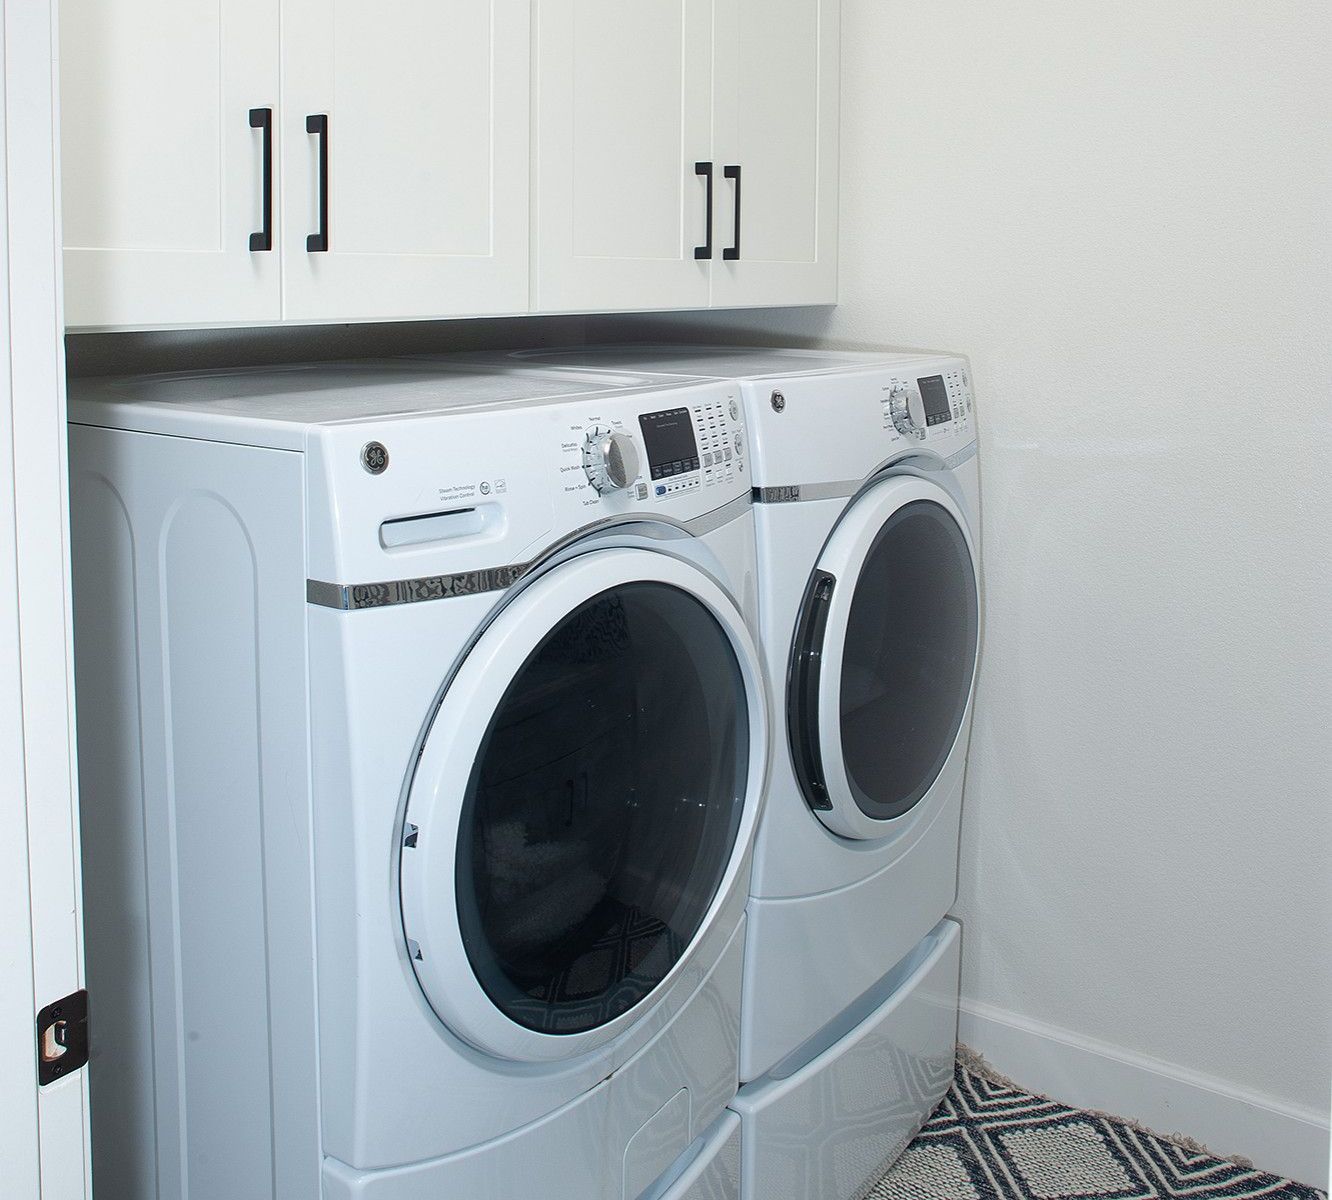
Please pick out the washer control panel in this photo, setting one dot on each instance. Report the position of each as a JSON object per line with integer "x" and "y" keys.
{"x": 695, "y": 445}
{"x": 679, "y": 449}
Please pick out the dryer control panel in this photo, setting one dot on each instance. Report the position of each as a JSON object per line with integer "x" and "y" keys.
{"x": 828, "y": 431}
{"x": 916, "y": 405}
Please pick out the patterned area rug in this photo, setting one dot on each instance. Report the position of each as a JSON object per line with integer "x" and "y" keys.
{"x": 989, "y": 1141}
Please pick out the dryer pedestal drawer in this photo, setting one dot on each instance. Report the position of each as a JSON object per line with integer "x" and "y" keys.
{"x": 832, "y": 1125}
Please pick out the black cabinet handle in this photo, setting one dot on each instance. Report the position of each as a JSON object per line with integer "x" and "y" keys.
{"x": 732, "y": 252}
{"x": 316, "y": 243}
{"x": 705, "y": 169}
{"x": 262, "y": 118}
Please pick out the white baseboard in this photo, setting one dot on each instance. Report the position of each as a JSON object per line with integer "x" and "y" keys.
{"x": 1285, "y": 1139}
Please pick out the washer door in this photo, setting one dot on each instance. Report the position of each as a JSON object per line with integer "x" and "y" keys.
{"x": 582, "y": 804}
{"x": 884, "y": 656}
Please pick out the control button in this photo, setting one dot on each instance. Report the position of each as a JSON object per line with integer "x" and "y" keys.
{"x": 735, "y": 410}
{"x": 661, "y": 489}
{"x": 707, "y": 458}
{"x": 739, "y": 443}
{"x": 728, "y": 455}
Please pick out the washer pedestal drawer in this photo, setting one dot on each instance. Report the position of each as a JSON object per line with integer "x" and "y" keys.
{"x": 828, "y": 1127}
{"x": 709, "y": 1170}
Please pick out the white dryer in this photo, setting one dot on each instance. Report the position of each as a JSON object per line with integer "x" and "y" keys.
{"x": 422, "y": 740}
{"x": 867, "y": 517}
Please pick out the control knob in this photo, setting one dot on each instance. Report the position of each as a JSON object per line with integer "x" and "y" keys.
{"x": 904, "y": 418}
{"x": 610, "y": 460}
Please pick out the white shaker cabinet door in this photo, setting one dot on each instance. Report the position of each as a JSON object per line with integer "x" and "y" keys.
{"x": 405, "y": 160}
{"x": 163, "y": 171}
{"x": 776, "y": 115}
{"x": 622, "y": 115}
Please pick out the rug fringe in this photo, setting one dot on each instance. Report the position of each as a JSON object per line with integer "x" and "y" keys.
{"x": 974, "y": 1061}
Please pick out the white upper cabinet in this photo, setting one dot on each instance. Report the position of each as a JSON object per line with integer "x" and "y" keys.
{"x": 163, "y": 173}
{"x": 652, "y": 115}
{"x": 622, "y": 117}
{"x": 233, "y": 162}
{"x": 418, "y": 110}
{"x": 776, "y": 119}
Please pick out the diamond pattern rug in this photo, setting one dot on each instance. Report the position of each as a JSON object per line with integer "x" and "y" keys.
{"x": 988, "y": 1140}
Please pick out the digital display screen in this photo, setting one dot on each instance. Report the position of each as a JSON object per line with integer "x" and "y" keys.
{"x": 669, "y": 437}
{"x": 934, "y": 395}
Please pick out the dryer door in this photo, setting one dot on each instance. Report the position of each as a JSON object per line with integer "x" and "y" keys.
{"x": 583, "y": 803}
{"x": 884, "y": 657}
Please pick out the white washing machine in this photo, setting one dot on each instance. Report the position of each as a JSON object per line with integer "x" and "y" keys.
{"x": 422, "y": 741}
{"x": 867, "y": 517}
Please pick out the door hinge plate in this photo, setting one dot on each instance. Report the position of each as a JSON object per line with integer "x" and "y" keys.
{"x": 62, "y": 1037}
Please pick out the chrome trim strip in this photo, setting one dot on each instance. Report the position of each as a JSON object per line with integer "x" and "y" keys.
{"x": 840, "y": 489}
{"x": 327, "y": 595}
{"x": 836, "y": 489}
{"x": 716, "y": 518}
{"x": 351, "y": 597}
{"x": 963, "y": 455}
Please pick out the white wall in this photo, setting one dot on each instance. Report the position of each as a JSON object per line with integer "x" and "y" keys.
{"x": 1121, "y": 212}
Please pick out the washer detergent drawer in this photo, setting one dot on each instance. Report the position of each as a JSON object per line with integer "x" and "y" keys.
{"x": 833, "y": 1125}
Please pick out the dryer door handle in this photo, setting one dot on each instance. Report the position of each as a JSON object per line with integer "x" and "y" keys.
{"x": 802, "y": 698}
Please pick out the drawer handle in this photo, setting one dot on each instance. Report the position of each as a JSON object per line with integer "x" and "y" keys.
{"x": 262, "y": 118}
{"x": 705, "y": 169}
{"x": 732, "y": 252}
{"x": 317, "y": 243}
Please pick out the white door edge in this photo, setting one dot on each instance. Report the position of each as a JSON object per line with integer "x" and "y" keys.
{"x": 43, "y": 1131}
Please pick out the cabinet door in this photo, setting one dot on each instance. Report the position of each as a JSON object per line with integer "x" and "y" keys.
{"x": 426, "y": 157}
{"x": 622, "y": 114}
{"x": 776, "y": 94}
{"x": 162, "y": 171}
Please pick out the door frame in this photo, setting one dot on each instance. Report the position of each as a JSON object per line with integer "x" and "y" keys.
{"x": 43, "y": 1131}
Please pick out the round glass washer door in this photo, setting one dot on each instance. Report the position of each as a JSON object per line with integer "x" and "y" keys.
{"x": 582, "y": 803}
{"x": 883, "y": 660}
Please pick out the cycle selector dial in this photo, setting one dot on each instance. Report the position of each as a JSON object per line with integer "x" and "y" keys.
{"x": 903, "y": 415}
{"x": 610, "y": 459}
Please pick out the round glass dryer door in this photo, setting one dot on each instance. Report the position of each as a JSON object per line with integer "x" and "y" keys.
{"x": 582, "y": 803}
{"x": 884, "y": 657}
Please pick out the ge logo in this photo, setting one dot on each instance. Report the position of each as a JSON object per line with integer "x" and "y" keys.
{"x": 485, "y": 489}
{"x": 374, "y": 457}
